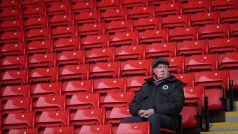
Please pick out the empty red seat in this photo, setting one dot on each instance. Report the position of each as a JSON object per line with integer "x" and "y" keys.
{"x": 234, "y": 29}
{"x": 11, "y": 36}
{"x": 133, "y": 3}
{"x": 18, "y": 120}
{"x": 108, "y": 4}
{"x": 117, "y": 14}
{"x": 124, "y": 38}
{"x": 35, "y": 22}
{"x": 229, "y": 16}
{"x": 19, "y": 131}
{"x": 233, "y": 76}
{"x": 52, "y": 118}
{"x": 213, "y": 31}
{"x": 140, "y": 12}
{"x": 136, "y": 67}
{"x": 8, "y": 49}
{"x": 116, "y": 114}
{"x": 33, "y": 11}
{"x": 104, "y": 69}
{"x": 64, "y": 32}
{"x": 156, "y": 2}
{"x": 169, "y": 8}
{"x": 65, "y": 44}
{"x": 13, "y": 77}
{"x": 36, "y": 46}
{"x": 50, "y": 102}
{"x": 139, "y": 128}
{"x": 55, "y": 130}
{"x": 91, "y": 29}
{"x": 16, "y": 105}
{"x": 43, "y": 75}
{"x": 176, "y": 64}
{"x": 10, "y": 13}
{"x": 223, "y": 4}
{"x": 46, "y": 2}
{"x": 13, "y": 62}
{"x": 187, "y": 79}
{"x": 117, "y": 99}
{"x": 153, "y": 36}
{"x": 82, "y": 101}
{"x": 228, "y": 60}
{"x": 86, "y": 17}
{"x": 183, "y": 33}
{"x": 71, "y": 87}
{"x": 13, "y": 3}
{"x": 11, "y": 25}
{"x": 147, "y": 24}
{"x": 94, "y": 116}
{"x": 160, "y": 50}
{"x": 82, "y": 6}
{"x": 132, "y": 52}
{"x": 109, "y": 85}
{"x": 70, "y": 72}
{"x": 41, "y": 89}
{"x": 198, "y": 47}
{"x": 118, "y": 26}
{"x": 100, "y": 55}
{"x": 12, "y": 91}
{"x": 95, "y": 41}
{"x": 203, "y": 18}
{"x": 176, "y": 21}
{"x": 221, "y": 45}
{"x": 196, "y": 6}
{"x": 41, "y": 60}
{"x": 37, "y": 34}
{"x": 57, "y": 8}
{"x": 201, "y": 63}
{"x": 93, "y": 129}
{"x": 70, "y": 57}
{"x": 60, "y": 20}
{"x": 31, "y": 2}
{"x": 135, "y": 83}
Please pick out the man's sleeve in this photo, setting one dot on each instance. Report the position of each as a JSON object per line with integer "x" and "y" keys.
{"x": 175, "y": 105}
{"x": 136, "y": 102}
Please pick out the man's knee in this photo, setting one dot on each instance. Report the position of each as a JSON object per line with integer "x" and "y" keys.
{"x": 154, "y": 117}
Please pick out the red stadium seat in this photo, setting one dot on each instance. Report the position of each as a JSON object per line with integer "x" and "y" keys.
{"x": 228, "y": 60}
{"x": 133, "y": 3}
{"x": 41, "y": 60}
{"x": 170, "y": 8}
{"x": 160, "y": 50}
{"x": 234, "y": 29}
{"x": 78, "y": 6}
{"x": 182, "y": 33}
{"x": 49, "y": 103}
{"x": 36, "y": 46}
{"x": 13, "y": 62}
{"x": 153, "y": 36}
{"x": 10, "y": 13}
{"x": 118, "y": 26}
{"x": 109, "y": 85}
{"x": 221, "y": 45}
{"x": 37, "y": 34}
{"x": 104, "y": 69}
{"x": 64, "y": 32}
{"x": 187, "y": 79}
{"x": 43, "y": 75}
{"x": 22, "y": 91}
{"x": 233, "y": 76}
{"x": 229, "y": 16}
{"x": 223, "y": 4}
{"x": 201, "y": 63}
{"x": 21, "y": 131}
{"x": 86, "y": 17}
{"x": 70, "y": 57}
{"x": 203, "y": 18}
{"x": 72, "y": 72}
{"x": 196, "y": 6}
{"x": 8, "y": 49}
{"x": 33, "y": 11}
{"x": 100, "y": 55}
{"x": 51, "y": 118}
{"x": 176, "y": 21}
{"x": 60, "y": 20}
{"x": 138, "y": 128}
{"x": 11, "y": 36}
{"x": 55, "y": 130}
{"x": 13, "y": 77}
{"x": 156, "y": 2}
{"x": 16, "y": 105}
{"x": 82, "y": 101}
{"x": 147, "y": 24}
{"x": 199, "y": 47}
{"x": 41, "y": 89}
{"x": 116, "y": 14}
{"x": 11, "y": 25}
{"x": 6, "y": 4}
{"x": 66, "y": 44}
{"x": 135, "y": 83}
{"x": 91, "y": 29}
{"x": 71, "y": 87}
{"x": 57, "y": 8}
{"x": 176, "y": 64}
{"x": 124, "y": 38}
{"x": 95, "y": 41}
{"x": 115, "y": 115}
{"x": 18, "y": 120}
{"x": 31, "y": 2}
{"x": 136, "y": 67}
{"x": 108, "y": 4}
{"x": 213, "y": 31}
{"x": 132, "y": 52}
{"x": 87, "y": 116}
{"x": 140, "y": 12}
{"x": 35, "y": 22}
{"x": 93, "y": 129}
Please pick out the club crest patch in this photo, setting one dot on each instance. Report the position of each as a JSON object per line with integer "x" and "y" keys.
{"x": 165, "y": 87}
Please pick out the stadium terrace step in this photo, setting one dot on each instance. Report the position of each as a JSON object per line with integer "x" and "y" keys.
{"x": 224, "y": 126}
{"x": 221, "y": 132}
{"x": 231, "y": 116}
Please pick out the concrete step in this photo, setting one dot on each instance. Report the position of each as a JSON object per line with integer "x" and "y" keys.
{"x": 236, "y": 106}
{"x": 220, "y": 132}
{"x": 231, "y": 116}
{"x": 224, "y": 126}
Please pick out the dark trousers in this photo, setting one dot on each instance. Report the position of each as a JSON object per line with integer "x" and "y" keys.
{"x": 157, "y": 121}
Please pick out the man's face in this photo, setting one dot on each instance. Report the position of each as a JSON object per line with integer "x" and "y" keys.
{"x": 161, "y": 70}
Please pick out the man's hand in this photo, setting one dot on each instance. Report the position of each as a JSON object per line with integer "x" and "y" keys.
{"x": 149, "y": 112}
{"x": 141, "y": 113}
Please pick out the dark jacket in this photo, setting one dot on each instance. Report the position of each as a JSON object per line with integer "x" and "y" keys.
{"x": 166, "y": 98}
